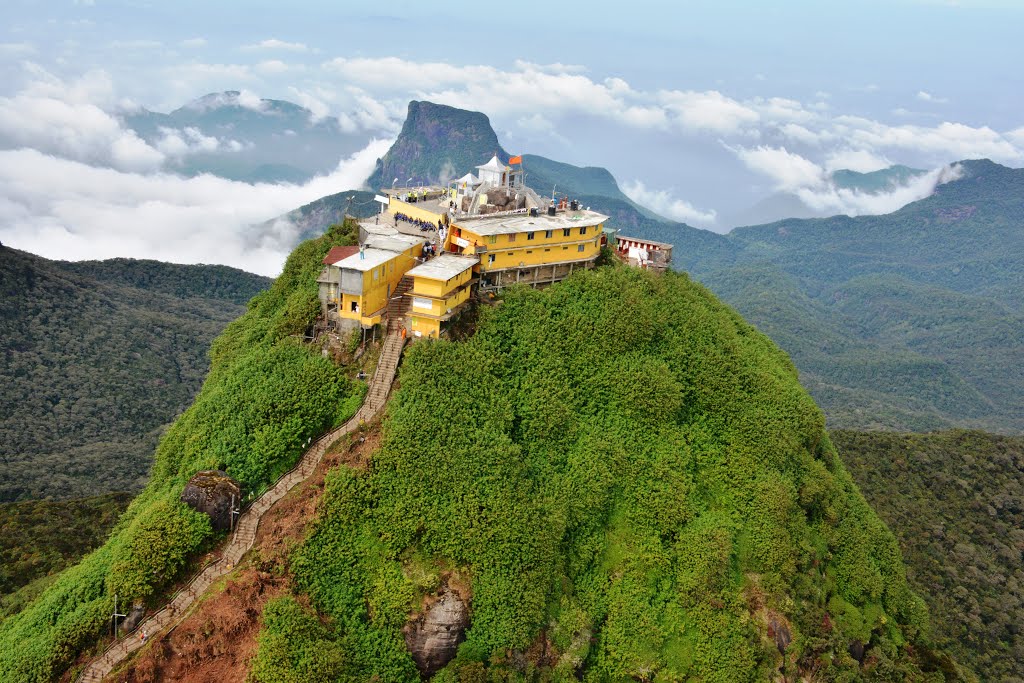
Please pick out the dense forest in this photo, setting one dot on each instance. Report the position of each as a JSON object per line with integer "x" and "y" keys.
{"x": 626, "y": 482}
{"x": 266, "y": 395}
{"x": 96, "y": 357}
{"x": 39, "y": 538}
{"x": 955, "y": 501}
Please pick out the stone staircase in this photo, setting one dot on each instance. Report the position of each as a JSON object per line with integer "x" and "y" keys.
{"x": 245, "y": 531}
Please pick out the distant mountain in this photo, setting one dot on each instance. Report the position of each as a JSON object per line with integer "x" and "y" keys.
{"x": 876, "y": 181}
{"x": 95, "y": 358}
{"x": 254, "y": 141}
{"x": 782, "y": 205}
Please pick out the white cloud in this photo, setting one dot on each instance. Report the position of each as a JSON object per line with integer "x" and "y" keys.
{"x": 803, "y": 135}
{"x": 179, "y": 143}
{"x": 928, "y": 97}
{"x": 95, "y": 213}
{"x": 275, "y": 44}
{"x": 318, "y": 109}
{"x": 710, "y": 111}
{"x": 79, "y": 131}
{"x": 949, "y": 140}
{"x": 859, "y": 160}
{"x": 272, "y": 67}
{"x": 1016, "y": 136}
{"x": 193, "y": 43}
{"x": 790, "y": 172}
{"x": 662, "y": 202}
{"x": 833, "y": 200}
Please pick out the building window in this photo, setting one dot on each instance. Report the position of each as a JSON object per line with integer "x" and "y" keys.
{"x": 376, "y": 274}
{"x": 355, "y": 307}
{"x": 529, "y": 235}
{"x": 565, "y": 248}
{"x": 583, "y": 230}
{"x": 529, "y": 252}
{"x": 546, "y": 250}
{"x": 492, "y": 239}
{"x": 579, "y": 248}
{"x": 566, "y": 231}
{"x": 512, "y": 237}
{"x": 548, "y": 233}
{"x": 490, "y": 258}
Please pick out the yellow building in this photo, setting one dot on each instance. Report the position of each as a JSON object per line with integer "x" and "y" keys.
{"x": 366, "y": 280}
{"x": 533, "y": 249}
{"x": 441, "y": 289}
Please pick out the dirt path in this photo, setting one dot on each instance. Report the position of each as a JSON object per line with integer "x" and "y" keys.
{"x": 245, "y": 535}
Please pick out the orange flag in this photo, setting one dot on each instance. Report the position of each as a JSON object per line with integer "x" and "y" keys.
{"x": 518, "y": 159}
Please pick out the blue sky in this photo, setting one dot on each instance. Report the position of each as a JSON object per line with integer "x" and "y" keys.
{"x": 698, "y": 108}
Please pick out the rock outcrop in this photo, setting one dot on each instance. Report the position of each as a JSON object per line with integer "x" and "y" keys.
{"x": 212, "y": 492}
{"x": 434, "y": 636}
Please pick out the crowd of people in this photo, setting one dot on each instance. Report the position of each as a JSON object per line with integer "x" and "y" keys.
{"x": 423, "y": 225}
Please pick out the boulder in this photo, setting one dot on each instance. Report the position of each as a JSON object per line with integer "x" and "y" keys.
{"x": 134, "y": 618}
{"x": 434, "y": 636}
{"x": 211, "y": 492}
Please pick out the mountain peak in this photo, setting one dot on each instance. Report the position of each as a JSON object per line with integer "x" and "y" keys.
{"x": 437, "y": 143}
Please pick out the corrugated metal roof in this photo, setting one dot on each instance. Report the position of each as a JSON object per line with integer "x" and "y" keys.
{"x": 372, "y": 259}
{"x": 503, "y": 225}
{"x": 444, "y": 267}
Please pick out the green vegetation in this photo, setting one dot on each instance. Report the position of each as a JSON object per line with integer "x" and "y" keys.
{"x": 625, "y": 470}
{"x": 40, "y": 538}
{"x": 956, "y": 503}
{"x": 95, "y": 358}
{"x": 265, "y": 396}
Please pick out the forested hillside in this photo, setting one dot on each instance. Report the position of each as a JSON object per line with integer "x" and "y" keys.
{"x": 266, "y": 395}
{"x": 95, "y": 358}
{"x": 626, "y": 482}
{"x": 956, "y": 503}
{"x": 39, "y": 538}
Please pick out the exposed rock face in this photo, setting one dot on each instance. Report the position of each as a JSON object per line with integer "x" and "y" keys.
{"x": 134, "y": 618}
{"x": 211, "y": 492}
{"x": 435, "y": 635}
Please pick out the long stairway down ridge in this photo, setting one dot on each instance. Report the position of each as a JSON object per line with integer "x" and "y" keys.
{"x": 245, "y": 532}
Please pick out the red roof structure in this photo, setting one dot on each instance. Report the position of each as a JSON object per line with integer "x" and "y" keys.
{"x": 338, "y": 253}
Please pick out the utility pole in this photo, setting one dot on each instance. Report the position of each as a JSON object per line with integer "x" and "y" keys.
{"x": 114, "y": 617}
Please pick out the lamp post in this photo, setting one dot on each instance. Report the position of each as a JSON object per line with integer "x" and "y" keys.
{"x": 115, "y": 615}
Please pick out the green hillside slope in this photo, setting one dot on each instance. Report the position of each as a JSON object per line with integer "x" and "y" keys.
{"x": 265, "y": 396}
{"x": 95, "y": 357}
{"x": 956, "y": 503}
{"x": 632, "y": 485}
